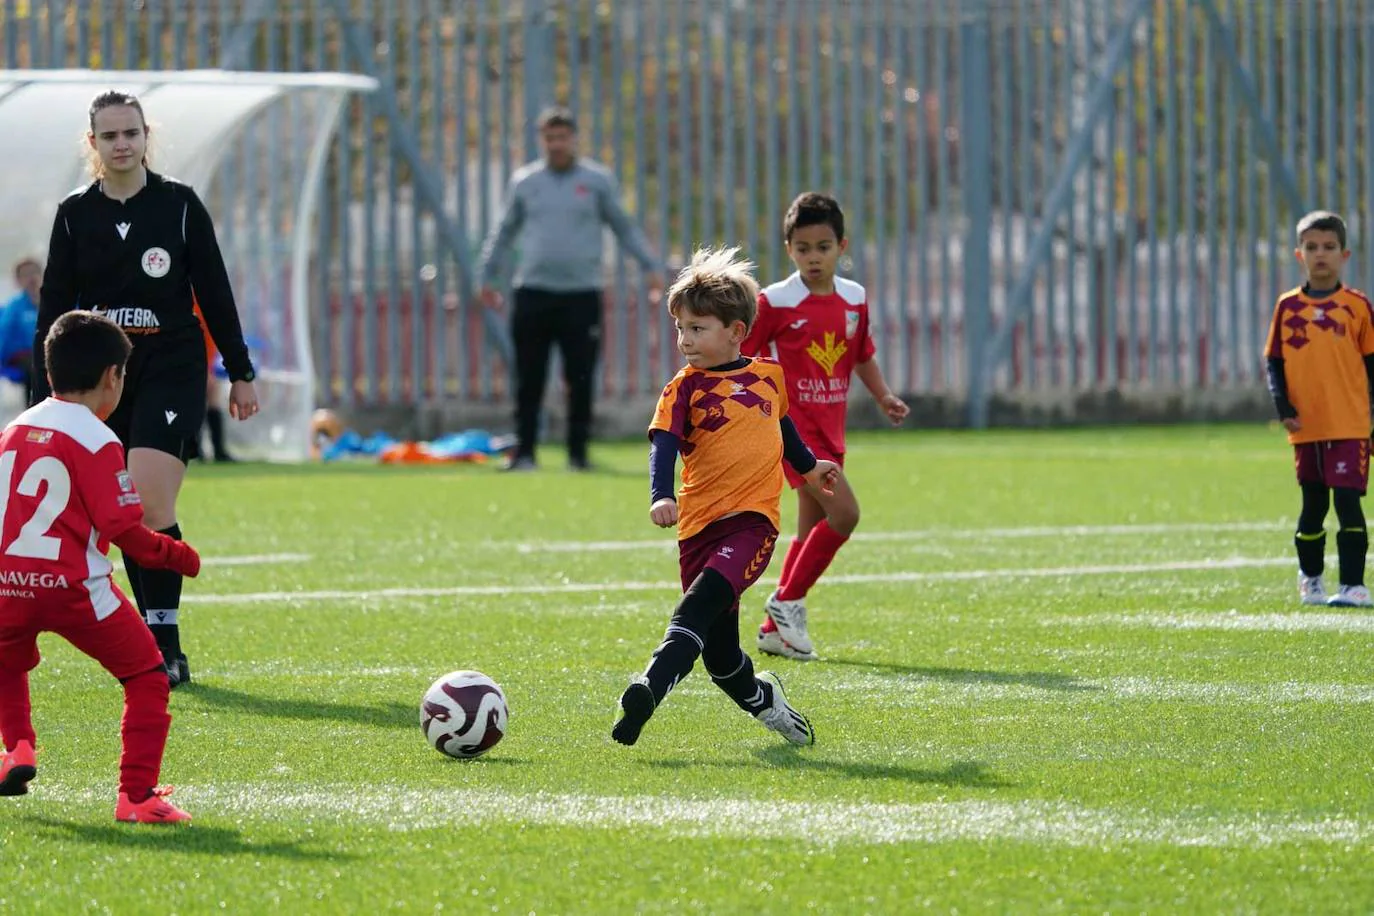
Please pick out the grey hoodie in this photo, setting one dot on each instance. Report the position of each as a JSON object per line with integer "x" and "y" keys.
{"x": 556, "y": 218}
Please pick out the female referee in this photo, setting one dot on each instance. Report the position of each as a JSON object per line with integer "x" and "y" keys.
{"x": 136, "y": 246}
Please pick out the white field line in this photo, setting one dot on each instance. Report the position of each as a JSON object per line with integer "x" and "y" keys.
{"x": 925, "y": 534}
{"x": 1296, "y": 622}
{"x": 261, "y": 559}
{"x": 917, "y": 689}
{"x": 568, "y": 588}
{"x": 815, "y": 823}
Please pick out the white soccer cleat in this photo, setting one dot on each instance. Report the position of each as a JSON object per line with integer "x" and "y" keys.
{"x": 1350, "y": 596}
{"x": 790, "y": 619}
{"x": 1311, "y": 589}
{"x": 772, "y": 643}
{"x": 782, "y": 718}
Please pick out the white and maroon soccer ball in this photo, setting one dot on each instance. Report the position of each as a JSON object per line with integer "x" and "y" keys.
{"x": 464, "y": 714}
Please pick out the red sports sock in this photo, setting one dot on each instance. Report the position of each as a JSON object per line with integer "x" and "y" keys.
{"x": 789, "y": 562}
{"x": 820, "y": 548}
{"x": 145, "y": 727}
{"x": 16, "y": 722}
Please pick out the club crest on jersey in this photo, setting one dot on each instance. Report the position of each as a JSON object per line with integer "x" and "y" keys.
{"x": 828, "y": 355}
{"x": 156, "y": 262}
{"x": 851, "y": 324}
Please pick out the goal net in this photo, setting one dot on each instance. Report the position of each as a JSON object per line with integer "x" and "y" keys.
{"x": 253, "y": 145}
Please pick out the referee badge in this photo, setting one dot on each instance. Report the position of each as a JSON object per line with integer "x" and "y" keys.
{"x": 156, "y": 262}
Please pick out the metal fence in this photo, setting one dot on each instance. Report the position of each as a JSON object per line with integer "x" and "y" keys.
{"x": 1043, "y": 195}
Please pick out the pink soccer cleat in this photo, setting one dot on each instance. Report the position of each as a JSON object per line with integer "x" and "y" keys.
{"x": 154, "y": 809}
{"x": 17, "y": 769}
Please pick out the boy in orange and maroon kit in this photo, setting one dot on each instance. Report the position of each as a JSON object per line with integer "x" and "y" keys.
{"x": 1320, "y": 359}
{"x": 816, "y": 325}
{"x": 65, "y": 496}
{"x": 726, "y": 414}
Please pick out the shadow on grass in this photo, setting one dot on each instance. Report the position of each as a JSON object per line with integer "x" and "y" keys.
{"x": 1040, "y": 680}
{"x": 192, "y": 839}
{"x": 965, "y": 773}
{"x": 389, "y": 715}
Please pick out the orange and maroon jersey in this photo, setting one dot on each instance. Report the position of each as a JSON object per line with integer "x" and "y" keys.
{"x": 1323, "y": 342}
{"x": 731, "y": 442}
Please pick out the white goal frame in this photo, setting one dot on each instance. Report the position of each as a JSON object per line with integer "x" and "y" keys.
{"x": 195, "y": 115}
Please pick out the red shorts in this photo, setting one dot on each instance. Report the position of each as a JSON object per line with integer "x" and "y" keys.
{"x": 122, "y": 642}
{"x": 738, "y": 547}
{"x": 1340, "y": 463}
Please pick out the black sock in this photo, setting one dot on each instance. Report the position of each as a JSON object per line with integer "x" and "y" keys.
{"x": 673, "y": 660}
{"x": 214, "y": 419}
{"x": 1312, "y": 551}
{"x": 749, "y": 693}
{"x": 135, "y": 574}
{"x": 161, "y": 600}
{"x": 1351, "y": 546}
{"x": 708, "y": 597}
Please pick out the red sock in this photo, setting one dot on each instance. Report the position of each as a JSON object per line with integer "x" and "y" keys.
{"x": 145, "y": 726}
{"x": 16, "y": 722}
{"x": 789, "y": 562}
{"x": 820, "y": 548}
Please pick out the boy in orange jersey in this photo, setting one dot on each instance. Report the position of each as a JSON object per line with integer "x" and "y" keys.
{"x": 816, "y": 325}
{"x": 727, "y": 416}
{"x": 1320, "y": 358}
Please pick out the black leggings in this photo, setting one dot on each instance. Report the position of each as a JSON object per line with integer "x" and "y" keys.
{"x": 1316, "y": 501}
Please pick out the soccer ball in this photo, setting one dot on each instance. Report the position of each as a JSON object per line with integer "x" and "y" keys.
{"x": 464, "y": 714}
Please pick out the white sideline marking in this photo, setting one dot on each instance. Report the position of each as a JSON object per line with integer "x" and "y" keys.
{"x": 260, "y": 559}
{"x": 921, "y": 689}
{"x": 926, "y": 534}
{"x": 1296, "y": 622}
{"x": 567, "y": 588}
{"x": 917, "y": 689}
{"x": 818, "y": 823}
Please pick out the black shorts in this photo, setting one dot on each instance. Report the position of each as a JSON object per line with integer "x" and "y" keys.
{"x": 163, "y": 405}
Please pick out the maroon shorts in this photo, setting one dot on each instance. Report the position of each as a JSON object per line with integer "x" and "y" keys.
{"x": 1337, "y": 463}
{"x": 122, "y": 642}
{"x": 795, "y": 480}
{"x": 738, "y": 547}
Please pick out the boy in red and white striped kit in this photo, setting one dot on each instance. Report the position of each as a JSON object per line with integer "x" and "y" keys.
{"x": 65, "y": 496}
{"x": 817, "y": 326}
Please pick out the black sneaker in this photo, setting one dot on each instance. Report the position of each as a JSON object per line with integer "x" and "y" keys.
{"x": 636, "y": 706}
{"x": 579, "y": 465}
{"x": 521, "y": 463}
{"x": 178, "y": 670}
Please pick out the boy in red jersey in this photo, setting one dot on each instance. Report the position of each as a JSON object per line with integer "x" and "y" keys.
{"x": 65, "y": 496}
{"x": 816, "y": 325}
{"x": 727, "y": 416}
{"x": 1320, "y": 358}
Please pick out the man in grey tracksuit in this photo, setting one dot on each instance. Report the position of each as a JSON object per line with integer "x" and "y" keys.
{"x": 556, "y": 209}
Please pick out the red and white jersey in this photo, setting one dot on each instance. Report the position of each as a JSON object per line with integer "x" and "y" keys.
{"x": 65, "y": 494}
{"x": 818, "y": 340}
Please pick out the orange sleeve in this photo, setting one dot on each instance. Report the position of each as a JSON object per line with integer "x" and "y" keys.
{"x": 1273, "y": 347}
{"x": 1364, "y": 337}
{"x": 773, "y": 370}
{"x": 671, "y": 413}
